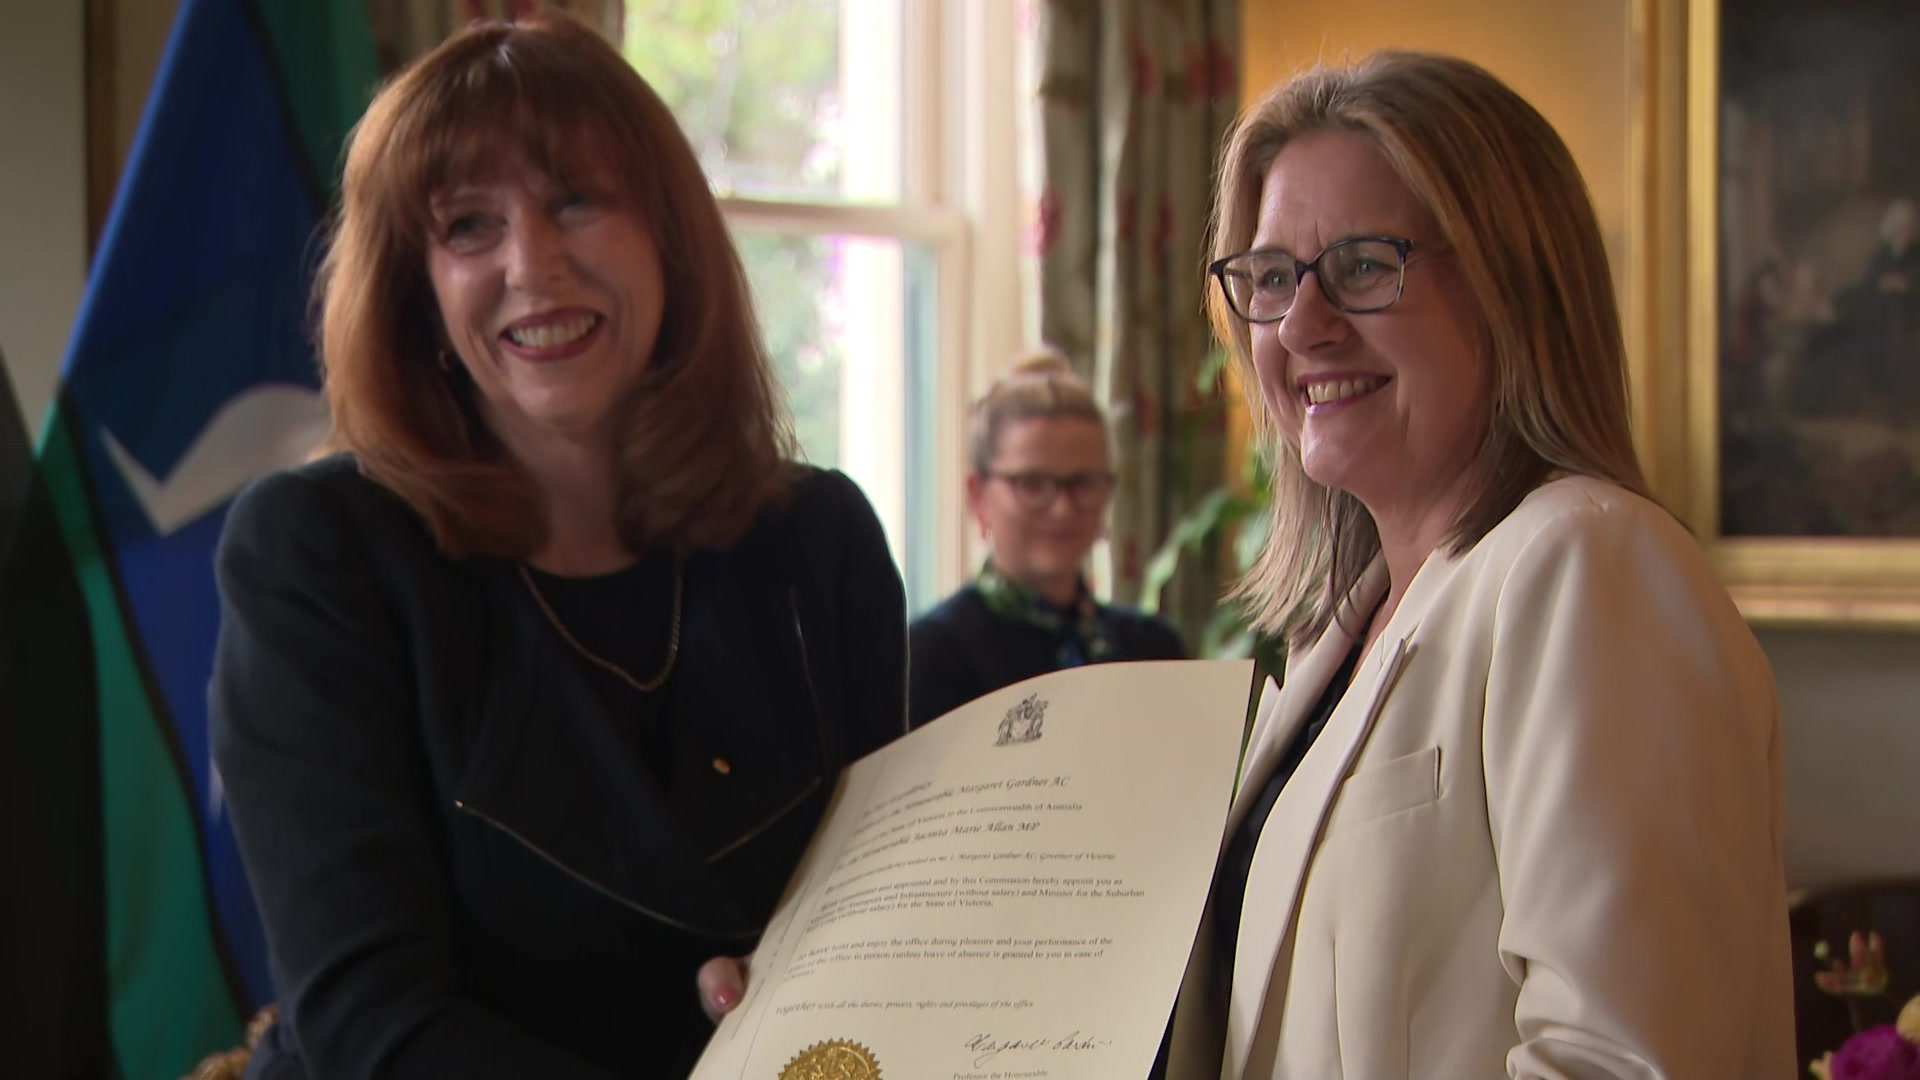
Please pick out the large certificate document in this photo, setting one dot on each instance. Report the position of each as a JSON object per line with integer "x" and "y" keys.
{"x": 1009, "y": 892}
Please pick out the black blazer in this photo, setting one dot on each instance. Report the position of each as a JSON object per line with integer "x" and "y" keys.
{"x": 463, "y": 868}
{"x": 963, "y": 649}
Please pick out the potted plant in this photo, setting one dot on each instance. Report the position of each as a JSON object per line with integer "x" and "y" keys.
{"x": 1218, "y": 538}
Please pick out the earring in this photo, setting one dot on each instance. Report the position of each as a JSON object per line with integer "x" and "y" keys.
{"x": 446, "y": 362}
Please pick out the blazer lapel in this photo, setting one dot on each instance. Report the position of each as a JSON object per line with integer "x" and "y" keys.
{"x": 1284, "y": 708}
{"x": 1292, "y": 830}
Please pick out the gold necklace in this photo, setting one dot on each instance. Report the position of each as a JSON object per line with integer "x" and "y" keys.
{"x": 673, "y": 634}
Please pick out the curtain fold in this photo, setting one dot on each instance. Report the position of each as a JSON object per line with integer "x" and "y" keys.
{"x": 1134, "y": 97}
{"x": 404, "y": 29}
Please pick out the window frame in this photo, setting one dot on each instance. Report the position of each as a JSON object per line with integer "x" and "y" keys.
{"x": 960, "y": 201}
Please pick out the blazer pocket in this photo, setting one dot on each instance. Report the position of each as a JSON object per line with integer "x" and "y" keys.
{"x": 1388, "y": 788}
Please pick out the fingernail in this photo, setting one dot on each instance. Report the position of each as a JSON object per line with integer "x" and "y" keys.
{"x": 724, "y": 998}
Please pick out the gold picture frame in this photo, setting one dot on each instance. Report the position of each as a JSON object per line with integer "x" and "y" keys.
{"x": 1674, "y": 310}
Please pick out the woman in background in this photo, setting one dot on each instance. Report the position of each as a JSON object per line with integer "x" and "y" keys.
{"x": 1038, "y": 490}
{"x": 527, "y": 702}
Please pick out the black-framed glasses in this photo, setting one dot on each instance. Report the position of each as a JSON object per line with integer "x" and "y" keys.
{"x": 1037, "y": 490}
{"x": 1358, "y": 276}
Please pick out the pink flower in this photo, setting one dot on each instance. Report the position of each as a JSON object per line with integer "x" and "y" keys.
{"x": 1199, "y": 73}
{"x": 1146, "y": 411}
{"x": 1046, "y": 223}
{"x": 1163, "y": 228}
{"x": 1130, "y": 560}
{"x": 1878, "y": 1053}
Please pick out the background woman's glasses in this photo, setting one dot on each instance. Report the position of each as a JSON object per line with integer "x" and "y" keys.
{"x": 1038, "y": 490}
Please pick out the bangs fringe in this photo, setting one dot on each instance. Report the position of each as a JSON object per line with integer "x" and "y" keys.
{"x": 503, "y": 101}
{"x": 707, "y": 440}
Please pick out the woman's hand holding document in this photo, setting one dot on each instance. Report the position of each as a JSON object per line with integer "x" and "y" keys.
{"x": 1009, "y": 892}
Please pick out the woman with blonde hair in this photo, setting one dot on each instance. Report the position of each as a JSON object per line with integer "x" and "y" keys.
{"x": 1516, "y": 809}
{"x": 1038, "y": 490}
{"x": 527, "y": 701}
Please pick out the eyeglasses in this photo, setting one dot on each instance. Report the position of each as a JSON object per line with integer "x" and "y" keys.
{"x": 1358, "y": 276}
{"x": 1037, "y": 490}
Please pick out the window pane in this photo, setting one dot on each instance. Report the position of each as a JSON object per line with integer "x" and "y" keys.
{"x": 789, "y": 99}
{"x": 849, "y": 323}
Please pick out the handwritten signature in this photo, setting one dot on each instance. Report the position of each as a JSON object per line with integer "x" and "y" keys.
{"x": 987, "y": 1046}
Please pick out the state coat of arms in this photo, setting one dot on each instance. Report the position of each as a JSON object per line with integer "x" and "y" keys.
{"x": 1022, "y": 722}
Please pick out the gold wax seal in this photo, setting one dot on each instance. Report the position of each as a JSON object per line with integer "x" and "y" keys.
{"x": 836, "y": 1059}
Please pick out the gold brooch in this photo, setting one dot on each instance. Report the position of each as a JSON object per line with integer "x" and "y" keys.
{"x": 837, "y": 1059}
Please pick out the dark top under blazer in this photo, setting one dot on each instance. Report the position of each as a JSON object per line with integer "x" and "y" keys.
{"x": 463, "y": 868}
{"x": 963, "y": 649}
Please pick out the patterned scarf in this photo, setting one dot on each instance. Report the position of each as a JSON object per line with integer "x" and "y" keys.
{"x": 1085, "y": 637}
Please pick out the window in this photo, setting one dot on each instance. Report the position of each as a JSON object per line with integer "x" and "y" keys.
{"x": 866, "y": 165}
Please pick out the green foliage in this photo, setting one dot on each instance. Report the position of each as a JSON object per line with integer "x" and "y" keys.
{"x": 1228, "y": 520}
{"x": 755, "y": 85}
{"x": 792, "y": 277}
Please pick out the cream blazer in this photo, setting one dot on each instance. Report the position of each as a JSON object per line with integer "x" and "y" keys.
{"x": 1540, "y": 836}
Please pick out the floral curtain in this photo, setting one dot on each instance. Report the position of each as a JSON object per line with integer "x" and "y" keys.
{"x": 403, "y": 29}
{"x": 1134, "y": 99}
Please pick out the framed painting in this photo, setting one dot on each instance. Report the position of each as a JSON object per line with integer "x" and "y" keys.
{"x": 1781, "y": 142}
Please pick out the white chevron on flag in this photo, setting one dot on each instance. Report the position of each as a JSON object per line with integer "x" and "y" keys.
{"x": 268, "y": 427}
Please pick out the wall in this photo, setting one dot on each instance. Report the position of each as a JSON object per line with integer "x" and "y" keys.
{"x": 1852, "y": 704}
{"x": 43, "y": 188}
{"x": 44, "y": 182}
{"x": 1568, "y": 57}
{"x": 140, "y": 32}
{"x": 1852, "y": 700}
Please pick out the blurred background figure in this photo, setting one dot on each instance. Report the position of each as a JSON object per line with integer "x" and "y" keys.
{"x": 1038, "y": 489}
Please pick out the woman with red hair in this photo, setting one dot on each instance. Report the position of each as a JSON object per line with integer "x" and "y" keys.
{"x": 528, "y": 699}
